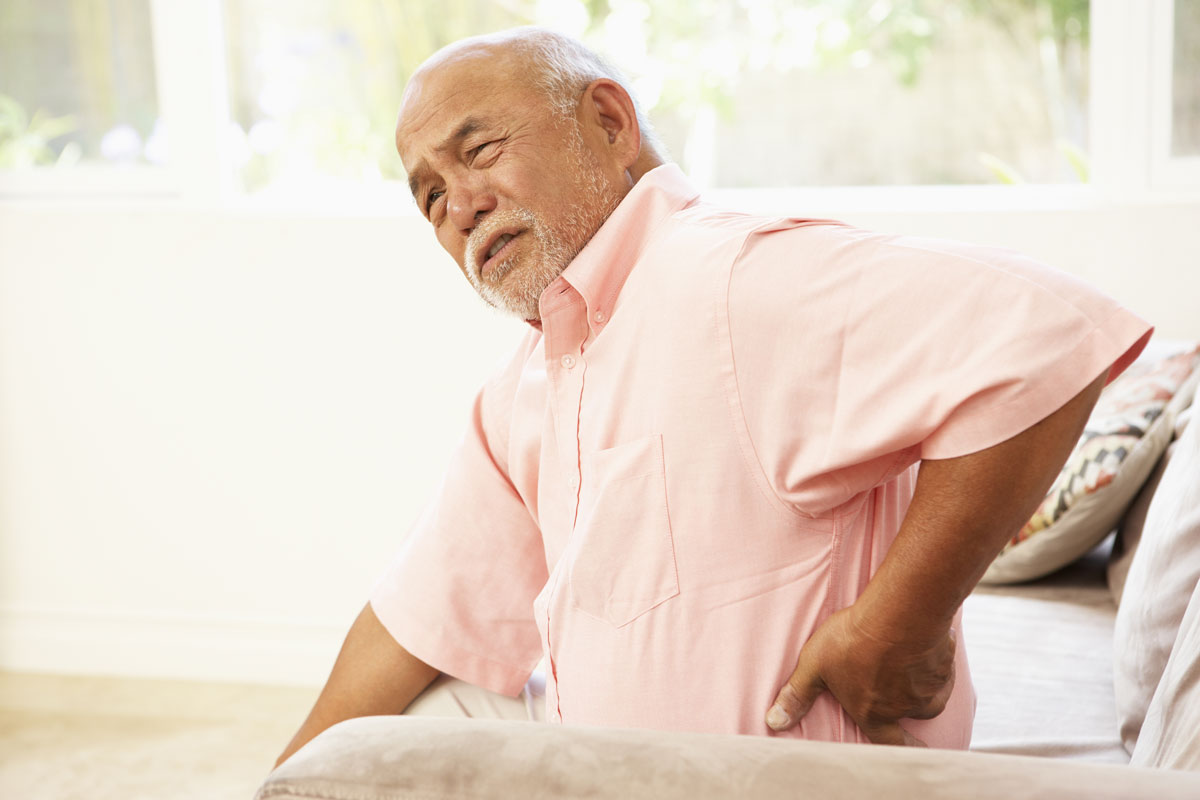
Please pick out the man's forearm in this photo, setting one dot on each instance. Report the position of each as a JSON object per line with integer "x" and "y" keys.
{"x": 372, "y": 675}
{"x": 963, "y": 511}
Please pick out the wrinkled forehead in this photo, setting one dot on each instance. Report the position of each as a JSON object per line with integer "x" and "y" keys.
{"x": 477, "y": 82}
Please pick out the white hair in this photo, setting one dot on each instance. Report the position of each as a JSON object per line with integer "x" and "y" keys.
{"x": 563, "y": 69}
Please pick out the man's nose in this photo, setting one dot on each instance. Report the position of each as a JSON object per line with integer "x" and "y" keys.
{"x": 469, "y": 205}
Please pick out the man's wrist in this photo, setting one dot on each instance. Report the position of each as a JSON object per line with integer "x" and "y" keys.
{"x": 892, "y": 619}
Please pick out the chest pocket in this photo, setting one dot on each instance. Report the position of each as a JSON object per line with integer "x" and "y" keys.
{"x": 623, "y": 562}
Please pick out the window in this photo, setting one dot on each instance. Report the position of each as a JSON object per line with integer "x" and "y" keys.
{"x": 77, "y": 84}
{"x": 297, "y": 98}
{"x": 862, "y": 92}
{"x": 1174, "y": 76}
{"x": 1185, "y": 79}
{"x": 750, "y": 93}
{"x": 314, "y": 85}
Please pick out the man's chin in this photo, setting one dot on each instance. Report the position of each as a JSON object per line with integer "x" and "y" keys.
{"x": 515, "y": 286}
{"x": 508, "y": 309}
{"x": 505, "y": 300}
{"x": 490, "y": 290}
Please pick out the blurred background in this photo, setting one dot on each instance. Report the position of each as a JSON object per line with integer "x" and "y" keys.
{"x": 233, "y": 360}
{"x": 918, "y": 91}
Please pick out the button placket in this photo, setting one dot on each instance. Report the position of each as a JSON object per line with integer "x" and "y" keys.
{"x": 572, "y": 397}
{"x": 566, "y": 381}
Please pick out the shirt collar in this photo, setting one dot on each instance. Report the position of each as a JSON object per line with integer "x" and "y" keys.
{"x": 600, "y": 269}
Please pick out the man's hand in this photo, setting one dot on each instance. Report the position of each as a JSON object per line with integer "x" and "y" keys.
{"x": 877, "y": 679}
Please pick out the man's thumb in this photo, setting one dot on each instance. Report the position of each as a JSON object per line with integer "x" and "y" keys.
{"x": 795, "y": 698}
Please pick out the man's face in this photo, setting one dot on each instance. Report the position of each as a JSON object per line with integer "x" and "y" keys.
{"x": 513, "y": 190}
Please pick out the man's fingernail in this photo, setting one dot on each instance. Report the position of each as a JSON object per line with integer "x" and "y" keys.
{"x": 777, "y": 718}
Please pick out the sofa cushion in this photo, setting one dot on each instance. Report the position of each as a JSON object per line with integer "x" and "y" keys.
{"x": 1124, "y": 438}
{"x": 1169, "y": 736}
{"x": 1162, "y": 578}
{"x": 387, "y": 758}
{"x": 1041, "y": 662}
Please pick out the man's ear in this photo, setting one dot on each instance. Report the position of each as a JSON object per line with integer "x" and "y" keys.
{"x": 608, "y": 109}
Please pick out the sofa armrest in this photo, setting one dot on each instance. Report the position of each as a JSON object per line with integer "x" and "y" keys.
{"x": 387, "y": 758}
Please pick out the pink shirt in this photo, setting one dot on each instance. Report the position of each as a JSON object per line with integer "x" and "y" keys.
{"x": 709, "y": 447}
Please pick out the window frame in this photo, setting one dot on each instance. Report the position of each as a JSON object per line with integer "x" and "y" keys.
{"x": 1167, "y": 171}
{"x": 1129, "y": 119}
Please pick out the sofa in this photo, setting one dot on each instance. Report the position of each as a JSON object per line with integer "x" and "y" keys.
{"x": 1088, "y": 681}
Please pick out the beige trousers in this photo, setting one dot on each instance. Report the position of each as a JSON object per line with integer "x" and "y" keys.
{"x": 450, "y": 697}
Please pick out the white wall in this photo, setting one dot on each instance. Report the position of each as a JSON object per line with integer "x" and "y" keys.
{"x": 216, "y": 426}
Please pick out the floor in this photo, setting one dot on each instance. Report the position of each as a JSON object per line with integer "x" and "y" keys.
{"x": 70, "y": 738}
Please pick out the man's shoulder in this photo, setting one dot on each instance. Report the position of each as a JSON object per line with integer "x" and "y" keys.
{"x": 801, "y": 251}
{"x": 825, "y": 244}
{"x": 723, "y": 221}
{"x": 716, "y": 236}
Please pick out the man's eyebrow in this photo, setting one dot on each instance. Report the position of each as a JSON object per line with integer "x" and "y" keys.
{"x": 469, "y": 125}
{"x": 414, "y": 179}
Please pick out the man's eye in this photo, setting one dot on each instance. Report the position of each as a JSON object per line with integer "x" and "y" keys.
{"x": 431, "y": 199}
{"x": 476, "y": 152}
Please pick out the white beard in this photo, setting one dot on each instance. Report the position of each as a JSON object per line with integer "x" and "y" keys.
{"x": 516, "y": 284}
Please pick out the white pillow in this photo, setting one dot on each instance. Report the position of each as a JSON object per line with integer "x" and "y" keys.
{"x": 1170, "y": 736}
{"x": 1162, "y": 578}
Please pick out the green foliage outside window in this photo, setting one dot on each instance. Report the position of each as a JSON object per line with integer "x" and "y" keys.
{"x": 26, "y": 141}
{"x": 697, "y": 63}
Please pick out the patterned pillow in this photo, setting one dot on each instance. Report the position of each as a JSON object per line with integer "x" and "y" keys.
{"x": 1129, "y": 429}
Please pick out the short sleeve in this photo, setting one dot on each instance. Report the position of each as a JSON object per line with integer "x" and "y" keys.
{"x": 459, "y": 595}
{"x": 886, "y": 350}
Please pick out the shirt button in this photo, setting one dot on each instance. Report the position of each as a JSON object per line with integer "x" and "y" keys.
{"x": 568, "y": 361}
{"x": 573, "y": 482}
{"x": 600, "y": 316}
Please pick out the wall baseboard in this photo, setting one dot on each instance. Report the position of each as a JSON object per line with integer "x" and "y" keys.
{"x": 148, "y": 645}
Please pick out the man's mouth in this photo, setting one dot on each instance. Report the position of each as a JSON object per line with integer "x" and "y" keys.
{"x": 496, "y": 251}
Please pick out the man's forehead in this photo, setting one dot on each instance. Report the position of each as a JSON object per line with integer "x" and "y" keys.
{"x": 434, "y": 100}
{"x": 470, "y": 66}
{"x": 454, "y": 90}
{"x": 439, "y": 104}
{"x": 442, "y": 125}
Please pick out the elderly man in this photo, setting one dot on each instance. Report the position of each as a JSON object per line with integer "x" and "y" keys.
{"x": 741, "y": 472}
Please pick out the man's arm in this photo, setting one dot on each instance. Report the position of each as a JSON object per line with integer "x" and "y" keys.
{"x": 373, "y": 675}
{"x": 890, "y": 655}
